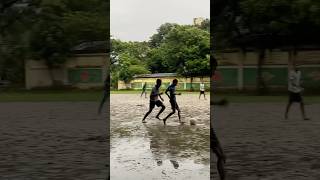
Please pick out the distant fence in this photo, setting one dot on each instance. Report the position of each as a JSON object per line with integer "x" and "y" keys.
{"x": 180, "y": 86}
{"x": 184, "y": 83}
{"x": 275, "y": 76}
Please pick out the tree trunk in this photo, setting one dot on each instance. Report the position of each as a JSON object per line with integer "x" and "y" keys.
{"x": 292, "y": 57}
{"x": 261, "y": 86}
{"x": 191, "y": 81}
{"x": 52, "y": 76}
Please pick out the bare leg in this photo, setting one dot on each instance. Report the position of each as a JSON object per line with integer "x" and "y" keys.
{"x": 287, "y": 110}
{"x": 178, "y": 109}
{"x": 102, "y": 103}
{"x": 220, "y": 163}
{"x": 147, "y": 114}
{"x": 165, "y": 119}
{"x": 216, "y": 148}
{"x": 162, "y": 109}
{"x": 204, "y": 96}
{"x": 303, "y": 111}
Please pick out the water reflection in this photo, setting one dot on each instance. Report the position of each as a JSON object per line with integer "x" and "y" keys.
{"x": 154, "y": 151}
{"x": 178, "y": 142}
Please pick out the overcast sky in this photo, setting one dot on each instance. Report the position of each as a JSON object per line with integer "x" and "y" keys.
{"x": 137, "y": 20}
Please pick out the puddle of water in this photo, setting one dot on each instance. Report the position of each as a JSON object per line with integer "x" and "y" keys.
{"x": 153, "y": 151}
{"x": 138, "y": 158}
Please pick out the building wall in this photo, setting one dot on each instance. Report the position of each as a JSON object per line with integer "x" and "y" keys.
{"x": 81, "y": 71}
{"x": 275, "y": 76}
{"x": 239, "y": 71}
{"x": 275, "y": 57}
{"x": 184, "y": 83}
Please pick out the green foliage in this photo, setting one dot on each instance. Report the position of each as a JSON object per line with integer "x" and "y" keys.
{"x": 14, "y": 24}
{"x": 174, "y": 48}
{"x": 47, "y": 30}
{"x": 182, "y": 47}
{"x": 272, "y": 23}
{"x": 128, "y": 60}
{"x": 163, "y": 30}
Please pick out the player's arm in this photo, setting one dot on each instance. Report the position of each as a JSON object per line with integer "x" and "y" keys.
{"x": 167, "y": 93}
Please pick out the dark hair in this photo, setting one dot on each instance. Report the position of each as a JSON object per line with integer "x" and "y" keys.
{"x": 175, "y": 81}
{"x": 158, "y": 81}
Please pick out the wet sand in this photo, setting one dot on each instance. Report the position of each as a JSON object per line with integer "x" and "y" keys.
{"x": 261, "y": 145}
{"x": 56, "y": 141}
{"x": 153, "y": 151}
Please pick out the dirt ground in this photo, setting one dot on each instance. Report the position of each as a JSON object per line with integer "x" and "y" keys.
{"x": 261, "y": 145}
{"x": 67, "y": 141}
{"x": 56, "y": 141}
{"x": 153, "y": 151}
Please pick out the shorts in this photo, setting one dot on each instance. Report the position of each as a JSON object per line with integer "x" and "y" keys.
{"x": 174, "y": 105}
{"x": 201, "y": 92}
{"x": 295, "y": 97}
{"x": 154, "y": 103}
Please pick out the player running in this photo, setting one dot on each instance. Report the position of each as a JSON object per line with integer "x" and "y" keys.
{"x": 154, "y": 100}
{"x": 215, "y": 145}
{"x": 144, "y": 90}
{"x": 173, "y": 100}
{"x": 217, "y": 149}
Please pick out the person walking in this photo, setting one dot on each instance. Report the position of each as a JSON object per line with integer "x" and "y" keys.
{"x": 144, "y": 90}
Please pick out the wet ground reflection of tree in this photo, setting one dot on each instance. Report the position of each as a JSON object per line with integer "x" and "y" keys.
{"x": 179, "y": 143}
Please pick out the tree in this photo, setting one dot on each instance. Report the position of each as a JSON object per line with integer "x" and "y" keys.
{"x": 162, "y": 31}
{"x": 263, "y": 25}
{"x": 174, "y": 48}
{"x": 129, "y": 66}
{"x": 128, "y": 59}
{"x": 48, "y": 39}
{"x": 62, "y": 25}
{"x": 187, "y": 50}
{"x": 16, "y": 16}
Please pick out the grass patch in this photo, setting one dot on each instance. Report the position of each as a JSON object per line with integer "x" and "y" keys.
{"x": 48, "y": 96}
{"x": 269, "y": 99}
{"x": 96, "y": 95}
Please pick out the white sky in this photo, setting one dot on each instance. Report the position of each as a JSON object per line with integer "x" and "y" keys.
{"x": 137, "y": 20}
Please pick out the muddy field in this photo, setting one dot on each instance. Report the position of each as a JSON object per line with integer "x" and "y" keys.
{"x": 56, "y": 141}
{"x": 153, "y": 151}
{"x": 261, "y": 145}
{"x": 67, "y": 141}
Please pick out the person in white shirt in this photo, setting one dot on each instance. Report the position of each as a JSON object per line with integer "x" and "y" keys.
{"x": 295, "y": 90}
{"x": 154, "y": 100}
{"x": 202, "y": 90}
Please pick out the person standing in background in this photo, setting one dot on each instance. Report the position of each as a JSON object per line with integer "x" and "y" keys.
{"x": 202, "y": 90}
{"x": 295, "y": 89}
